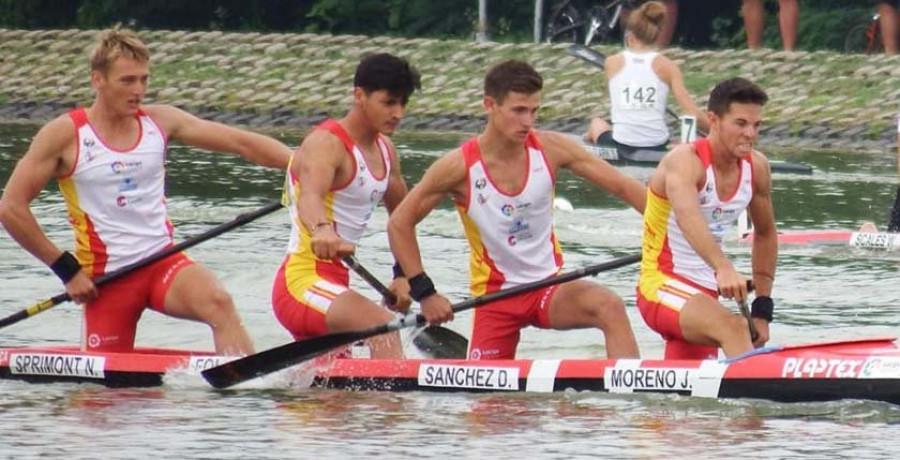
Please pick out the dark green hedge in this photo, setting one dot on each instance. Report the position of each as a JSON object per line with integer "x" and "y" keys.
{"x": 702, "y": 23}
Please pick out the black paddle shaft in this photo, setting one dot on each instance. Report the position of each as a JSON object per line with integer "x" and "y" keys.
{"x": 109, "y": 277}
{"x": 289, "y": 354}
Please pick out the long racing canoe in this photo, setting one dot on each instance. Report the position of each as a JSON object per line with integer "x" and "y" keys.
{"x": 866, "y": 369}
{"x": 652, "y": 157}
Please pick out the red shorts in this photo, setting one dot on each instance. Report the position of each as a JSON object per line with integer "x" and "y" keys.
{"x": 663, "y": 315}
{"x": 110, "y": 320}
{"x": 301, "y": 300}
{"x": 495, "y": 329}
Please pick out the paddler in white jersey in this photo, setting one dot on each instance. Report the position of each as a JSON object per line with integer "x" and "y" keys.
{"x": 640, "y": 79}
{"x": 502, "y": 183}
{"x": 109, "y": 160}
{"x": 339, "y": 175}
{"x": 693, "y": 199}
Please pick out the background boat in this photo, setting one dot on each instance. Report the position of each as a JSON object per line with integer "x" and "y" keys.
{"x": 651, "y": 157}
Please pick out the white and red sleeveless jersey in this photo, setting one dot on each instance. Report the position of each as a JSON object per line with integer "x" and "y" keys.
{"x": 116, "y": 198}
{"x": 667, "y": 251}
{"x": 510, "y": 236}
{"x": 349, "y": 206}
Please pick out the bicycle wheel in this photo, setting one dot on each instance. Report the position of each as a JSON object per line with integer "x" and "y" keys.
{"x": 857, "y": 39}
{"x": 564, "y": 25}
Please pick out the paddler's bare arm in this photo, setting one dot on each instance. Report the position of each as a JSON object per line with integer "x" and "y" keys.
{"x": 671, "y": 74}
{"x": 317, "y": 165}
{"x": 765, "y": 232}
{"x": 393, "y": 196}
{"x": 446, "y": 176}
{"x": 217, "y": 137}
{"x": 45, "y": 158}
{"x": 566, "y": 153}
{"x": 678, "y": 177}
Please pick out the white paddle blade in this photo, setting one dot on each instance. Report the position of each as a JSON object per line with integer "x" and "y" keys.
{"x": 688, "y": 128}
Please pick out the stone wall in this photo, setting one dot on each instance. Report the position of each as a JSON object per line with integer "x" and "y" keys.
{"x": 818, "y": 99}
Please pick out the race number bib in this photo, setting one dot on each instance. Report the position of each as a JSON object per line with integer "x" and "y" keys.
{"x": 637, "y": 97}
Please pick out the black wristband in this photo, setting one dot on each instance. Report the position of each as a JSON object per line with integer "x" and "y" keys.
{"x": 398, "y": 270}
{"x": 420, "y": 287}
{"x": 66, "y": 267}
{"x": 763, "y": 308}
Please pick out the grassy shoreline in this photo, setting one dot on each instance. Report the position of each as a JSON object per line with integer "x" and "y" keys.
{"x": 290, "y": 81}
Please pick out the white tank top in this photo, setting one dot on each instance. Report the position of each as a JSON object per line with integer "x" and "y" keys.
{"x": 350, "y": 207}
{"x": 676, "y": 256}
{"x": 511, "y": 237}
{"x": 638, "y": 98}
{"x": 116, "y": 198}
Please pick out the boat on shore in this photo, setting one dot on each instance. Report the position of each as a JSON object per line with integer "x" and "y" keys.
{"x": 867, "y": 369}
{"x": 652, "y": 157}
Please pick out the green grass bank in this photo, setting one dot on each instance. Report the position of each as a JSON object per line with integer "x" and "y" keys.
{"x": 290, "y": 81}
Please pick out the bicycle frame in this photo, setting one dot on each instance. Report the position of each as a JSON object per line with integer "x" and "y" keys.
{"x": 596, "y": 23}
{"x": 872, "y": 33}
{"x": 570, "y": 19}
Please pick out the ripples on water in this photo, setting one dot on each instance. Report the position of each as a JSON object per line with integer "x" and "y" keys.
{"x": 823, "y": 293}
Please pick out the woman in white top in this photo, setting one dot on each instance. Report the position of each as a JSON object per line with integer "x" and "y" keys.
{"x": 639, "y": 83}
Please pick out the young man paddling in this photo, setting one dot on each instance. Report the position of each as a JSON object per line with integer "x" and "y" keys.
{"x": 109, "y": 160}
{"x": 694, "y": 197}
{"x": 502, "y": 183}
{"x": 337, "y": 177}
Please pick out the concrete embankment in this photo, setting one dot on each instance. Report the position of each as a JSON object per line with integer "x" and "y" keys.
{"x": 290, "y": 81}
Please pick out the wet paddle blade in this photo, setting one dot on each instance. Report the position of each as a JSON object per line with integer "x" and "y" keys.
{"x": 438, "y": 342}
{"x": 278, "y": 358}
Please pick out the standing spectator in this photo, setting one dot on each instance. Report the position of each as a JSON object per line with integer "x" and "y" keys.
{"x": 754, "y": 22}
{"x": 668, "y": 30}
{"x": 889, "y": 20}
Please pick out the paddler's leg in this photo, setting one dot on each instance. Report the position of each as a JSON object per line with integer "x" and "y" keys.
{"x": 705, "y": 321}
{"x": 192, "y": 291}
{"x": 597, "y": 127}
{"x": 351, "y": 311}
{"x": 583, "y": 303}
{"x": 110, "y": 320}
{"x": 868, "y": 227}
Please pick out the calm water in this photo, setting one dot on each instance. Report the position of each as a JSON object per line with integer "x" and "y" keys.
{"x": 821, "y": 292}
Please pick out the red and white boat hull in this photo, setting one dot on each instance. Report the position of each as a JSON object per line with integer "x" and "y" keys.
{"x": 866, "y": 240}
{"x": 858, "y": 369}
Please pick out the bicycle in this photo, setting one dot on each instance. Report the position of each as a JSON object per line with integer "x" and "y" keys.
{"x": 570, "y": 20}
{"x": 865, "y": 37}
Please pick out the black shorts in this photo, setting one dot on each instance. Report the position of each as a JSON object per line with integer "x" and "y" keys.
{"x": 606, "y": 140}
